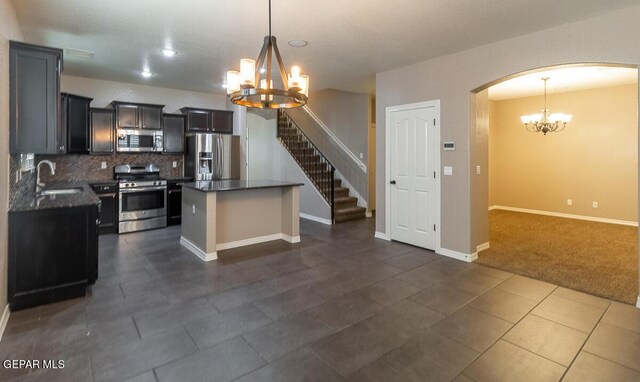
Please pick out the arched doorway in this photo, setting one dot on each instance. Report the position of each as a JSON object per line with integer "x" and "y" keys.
{"x": 558, "y": 201}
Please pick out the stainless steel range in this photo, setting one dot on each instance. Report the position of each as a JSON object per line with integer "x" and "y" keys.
{"x": 142, "y": 197}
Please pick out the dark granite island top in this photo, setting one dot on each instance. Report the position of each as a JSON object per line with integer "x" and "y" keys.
{"x": 237, "y": 184}
{"x": 29, "y": 201}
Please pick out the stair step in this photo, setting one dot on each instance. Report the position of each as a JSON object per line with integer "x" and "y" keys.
{"x": 350, "y": 213}
{"x": 340, "y": 192}
{"x": 345, "y": 201}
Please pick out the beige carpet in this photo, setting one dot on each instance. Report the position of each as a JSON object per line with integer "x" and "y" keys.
{"x": 597, "y": 258}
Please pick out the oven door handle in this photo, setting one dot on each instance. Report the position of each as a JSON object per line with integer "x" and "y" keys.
{"x": 146, "y": 189}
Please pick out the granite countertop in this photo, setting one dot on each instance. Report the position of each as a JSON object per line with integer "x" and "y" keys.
{"x": 29, "y": 201}
{"x": 110, "y": 181}
{"x": 180, "y": 179}
{"x": 237, "y": 184}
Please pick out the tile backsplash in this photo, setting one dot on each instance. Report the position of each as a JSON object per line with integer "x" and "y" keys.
{"x": 88, "y": 168}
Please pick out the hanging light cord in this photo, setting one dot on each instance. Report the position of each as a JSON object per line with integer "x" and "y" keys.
{"x": 545, "y": 92}
{"x": 269, "y": 18}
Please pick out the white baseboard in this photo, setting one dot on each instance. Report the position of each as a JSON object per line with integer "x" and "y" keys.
{"x": 4, "y": 320}
{"x": 291, "y": 239}
{"x": 638, "y": 303}
{"x": 457, "y": 255}
{"x": 251, "y": 241}
{"x": 482, "y": 247}
{"x": 315, "y": 218}
{"x": 563, "y": 215}
{"x": 382, "y": 235}
{"x": 197, "y": 251}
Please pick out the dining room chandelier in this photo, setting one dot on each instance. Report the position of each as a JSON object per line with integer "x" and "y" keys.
{"x": 545, "y": 122}
{"x": 253, "y": 85}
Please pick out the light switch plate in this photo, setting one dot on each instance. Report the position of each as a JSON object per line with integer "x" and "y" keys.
{"x": 103, "y": 165}
{"x": 193, "y": 209}
{"x": 478, "y": 170}
{"x": 175, "y": 163}
{"x": 569, "y": 202}
{"x": 448, "y": 170}
{"x": 361, "y": 156}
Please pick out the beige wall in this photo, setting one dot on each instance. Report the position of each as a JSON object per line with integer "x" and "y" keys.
{"x": 611, "y": 37}
{"x": 103, "y": 92}
{"x": 9, "y": 30}
{"x": 346, "y": 114}
{"x": 594, "y": 159}
{"x": 480, "y": 158}
{"x": 268, "y": 159}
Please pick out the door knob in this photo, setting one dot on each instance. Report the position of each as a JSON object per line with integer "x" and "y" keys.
{"x": 393, "y": 182}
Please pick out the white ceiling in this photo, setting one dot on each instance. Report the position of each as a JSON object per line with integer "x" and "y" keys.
{"x": 563, "y": 80}
{"x": 349, "y": 41}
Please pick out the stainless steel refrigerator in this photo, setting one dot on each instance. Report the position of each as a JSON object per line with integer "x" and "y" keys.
{"x": 212, "y": 157}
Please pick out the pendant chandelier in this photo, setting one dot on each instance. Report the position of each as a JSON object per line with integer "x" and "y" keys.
{"x": 545, "y": 122}
{"x": 253, "y": 85}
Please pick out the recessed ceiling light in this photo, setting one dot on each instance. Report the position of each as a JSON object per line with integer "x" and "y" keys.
{"x": 146, "y": 74}
{"x": 169, "y": 52}
{"x": 298, "y": 43}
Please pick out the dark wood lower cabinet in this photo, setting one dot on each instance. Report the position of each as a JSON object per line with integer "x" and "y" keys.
{"x": 174, "y": 203}
{"x": 53, "y": 255}
{"x": 108, "y": 194}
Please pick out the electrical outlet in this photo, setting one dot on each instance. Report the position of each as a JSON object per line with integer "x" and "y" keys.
{"x": 569, "y": 202}
{"x": 361, "y": 156}
{"x": 103, "y": 165}
{"x": 175, "y": 163}
{"x": 193, "y": 209}
{"x": 448, "y": 170}
{"x": 595, "y": 204}
{"x": 478, "y": 170}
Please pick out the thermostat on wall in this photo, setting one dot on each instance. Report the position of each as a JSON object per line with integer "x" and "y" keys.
{"x": 449, "y": 146}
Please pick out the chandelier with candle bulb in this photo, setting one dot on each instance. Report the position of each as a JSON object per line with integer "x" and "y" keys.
{"x": 253, "y": 86}
{"x": 544, "y": 122}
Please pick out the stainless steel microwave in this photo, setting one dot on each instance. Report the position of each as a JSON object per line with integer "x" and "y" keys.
{"x": 130, "y": 140}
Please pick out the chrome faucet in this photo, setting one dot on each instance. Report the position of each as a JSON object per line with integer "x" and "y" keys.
{"x": 52, "y": 167}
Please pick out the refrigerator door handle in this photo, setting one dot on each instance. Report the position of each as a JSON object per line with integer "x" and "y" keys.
{"x": 221, "y": 157}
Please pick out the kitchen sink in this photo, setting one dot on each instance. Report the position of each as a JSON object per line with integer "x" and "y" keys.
{"x": 63, "y": 191}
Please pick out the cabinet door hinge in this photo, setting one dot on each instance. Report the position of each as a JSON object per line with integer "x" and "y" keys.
{"x": 434, "y": 175}
{"x": 434, "y": 227}
{"x": 434, "y": 122}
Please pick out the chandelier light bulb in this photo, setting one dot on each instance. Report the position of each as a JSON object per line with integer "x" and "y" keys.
{"x": 304, "y": 85}
{"x": 248, "y": 72}
{"x": 233, "y": 81}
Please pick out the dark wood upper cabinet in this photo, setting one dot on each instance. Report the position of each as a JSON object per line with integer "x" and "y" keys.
{"x": 75, "y": 119}
{"x": 34, "y": 100}
{"x": 208, "y": 120}
{"x": 223, "y": 121}
{"x": 151, "y": 117}
{"x": 131, "y": 115}
{"x": 102, "y": 131}
{"x": 127, "y": 116}
{"x": 173, "y": 133}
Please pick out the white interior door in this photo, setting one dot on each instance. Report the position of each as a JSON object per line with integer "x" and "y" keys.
{"x": 413, "y": 170}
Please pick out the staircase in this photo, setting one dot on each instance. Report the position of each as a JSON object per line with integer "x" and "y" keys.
{"x": 318, "y": 168}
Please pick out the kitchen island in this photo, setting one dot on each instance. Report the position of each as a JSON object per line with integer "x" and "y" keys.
{"x": 224, "y": 214}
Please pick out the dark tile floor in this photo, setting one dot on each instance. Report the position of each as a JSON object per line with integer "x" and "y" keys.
{"x": 341, "y": 305}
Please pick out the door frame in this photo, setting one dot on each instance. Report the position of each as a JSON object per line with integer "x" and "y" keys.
{"x": 387, "y": 167}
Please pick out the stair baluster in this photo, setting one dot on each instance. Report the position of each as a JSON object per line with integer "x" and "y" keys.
{"x": 309, "y": 158}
